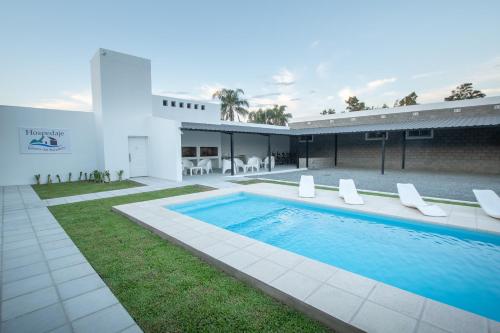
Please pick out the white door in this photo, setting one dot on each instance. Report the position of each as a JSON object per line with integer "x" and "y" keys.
{"x": 137, "y": 156}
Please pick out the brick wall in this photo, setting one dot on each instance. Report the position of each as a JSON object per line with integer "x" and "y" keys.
{"x": 462, "y": 150}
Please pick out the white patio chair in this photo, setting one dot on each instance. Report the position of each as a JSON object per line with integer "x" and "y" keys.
{"x": 238, "y": 164}
{"x": 489, "y": 202}
{"x": 409, "y": 196}
{"x": 266, "y": 162}
{"x": 306, "y": 187}
{"x": 206, "y": 164}
{"x": 188, "y": 165}
{"x": 348, "y": 192}
{"x": 253, "y": 163}
{"x": 226, "y": 165}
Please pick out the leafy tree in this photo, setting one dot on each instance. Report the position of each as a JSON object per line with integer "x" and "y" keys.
{"x": 464, "y": 91}
{"x": 271, "y": 116}
{"x": 258, "y": 117}
{"x": 354, "y": 104}
{"x": 232, "y": 104}
{"x": 327, "y": 111}
{"x": 410, "y": 99}
{"x": 385, "y": 106}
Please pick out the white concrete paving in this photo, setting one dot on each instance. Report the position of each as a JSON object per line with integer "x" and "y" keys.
{"x": 47, "y": 285}
{"x": 333, "y": 295}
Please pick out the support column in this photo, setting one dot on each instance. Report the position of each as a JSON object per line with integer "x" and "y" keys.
{"x": 232, "y": 154}
{"x": 269, "y": 153}
{"x": 336, "y": 150}
{"x": 307, "y": 153}
{"x": 403, "y": 151}
{"x": 382, "y": 170}
{"x": 298, "y": 153}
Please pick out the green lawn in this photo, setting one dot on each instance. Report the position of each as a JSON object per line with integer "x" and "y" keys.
{"x": 56, "y": 190}
{"x": 163, "y": 286}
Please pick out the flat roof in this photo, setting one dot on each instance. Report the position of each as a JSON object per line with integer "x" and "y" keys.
{"x": 237, "y": 128}
{"x": 475, "y": 121}
{"x": 494, "y": 100}
{"x": 456, "y": 122}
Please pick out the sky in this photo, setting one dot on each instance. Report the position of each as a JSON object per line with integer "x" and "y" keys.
{"x": 308, "y": 55}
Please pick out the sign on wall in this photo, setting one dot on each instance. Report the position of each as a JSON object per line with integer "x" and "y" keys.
{"x": 44, "y": 140}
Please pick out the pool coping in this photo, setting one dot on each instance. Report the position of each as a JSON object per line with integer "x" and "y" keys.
{"x": 344, "y": 301}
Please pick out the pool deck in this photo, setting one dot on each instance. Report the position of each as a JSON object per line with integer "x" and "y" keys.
{"x": 344, "y": 301}
{"x": 449, "y": 185}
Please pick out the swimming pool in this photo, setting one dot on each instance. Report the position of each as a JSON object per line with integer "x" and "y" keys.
{"x": 450, "y": 265}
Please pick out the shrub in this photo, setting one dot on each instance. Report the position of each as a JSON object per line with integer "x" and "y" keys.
{"x": 97, "y": 176}
{"x": 49, "y": 180}
{"x": 69, "y": 177}
{"x": 58, "y": 178}
{"x": 120, "y": 175}
{"x": 107, "y": 175}
{"x": 37, "y": 178}
{"x": 86, "y": 178}
{"x": 80, "y": 177}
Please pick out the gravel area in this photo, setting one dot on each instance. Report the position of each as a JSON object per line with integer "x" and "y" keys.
{"x": 456, "y": 186}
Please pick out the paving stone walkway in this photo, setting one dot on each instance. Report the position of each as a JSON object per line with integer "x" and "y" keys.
{"x": 150, "y": 184}
{"x": 47, "y": 285}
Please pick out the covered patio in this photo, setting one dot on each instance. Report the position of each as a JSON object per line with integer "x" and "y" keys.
{"x": 236, "y": 145}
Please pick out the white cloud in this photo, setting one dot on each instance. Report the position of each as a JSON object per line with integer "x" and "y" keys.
{"x": 491, "y": 91}
{"x": 372, "y": 85}
{"x": 314, "y": 44}
{"x": 284, "y": 77}
{"x": 207, "y": 90}
{"x": 369, "y": 87}
{"x": 425, "y": 75}
{"x": 435, "y": 95}
{"x": 74, "y": 101}
{"x": 345, "y": 93}
{"x": 323, "y": 69}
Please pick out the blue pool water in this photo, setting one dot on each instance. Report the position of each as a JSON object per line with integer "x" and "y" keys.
{"x": 450, "y": 265}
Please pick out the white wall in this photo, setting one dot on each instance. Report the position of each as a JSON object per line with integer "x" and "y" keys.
{"x": 19, "y": 169}
{"x": 255, "y": 144}
{"x": 164, "y": 149}
{"x": 210, "y": 115}
{"x": 121, "y": 95}
{"x": 203, "y": 139}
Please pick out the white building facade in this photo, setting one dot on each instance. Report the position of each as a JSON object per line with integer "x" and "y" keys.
{"x": 130, "y": 129}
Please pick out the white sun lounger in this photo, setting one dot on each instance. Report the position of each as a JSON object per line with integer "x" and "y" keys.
{"x": 489, "y": 202}
{"x": 306, "y": 187}
{"x": 411, "y": 198}
{"x": 347, "y": 191}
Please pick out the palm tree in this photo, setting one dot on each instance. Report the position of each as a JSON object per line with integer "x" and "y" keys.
{"x": 274, "y": 116}
{"x": 258, "y": 117}
{"x": 231, "y": 103}
{"x": 278, "y": 116}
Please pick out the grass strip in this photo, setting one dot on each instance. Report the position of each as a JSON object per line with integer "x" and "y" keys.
{"x": 57, "y": 190}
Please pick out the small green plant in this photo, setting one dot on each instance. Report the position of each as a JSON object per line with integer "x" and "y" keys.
{"x": 97, "y": 176}
{"x": 120, "y": 175}
{"x": 107, "y": 175}
{"x": 80, "y": 176}
{"x": 49, "y": 180}
{"x": 37, "y": 178}
{"x": 86, "y": 178}
{"x": 69, "y": 177}
{"x": 58, "y": 178}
